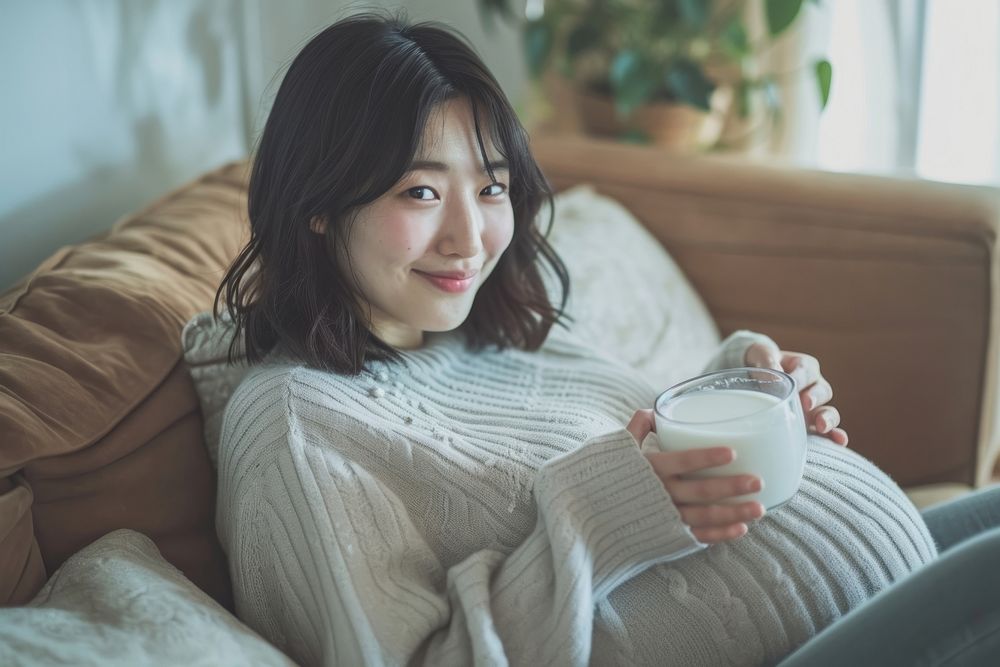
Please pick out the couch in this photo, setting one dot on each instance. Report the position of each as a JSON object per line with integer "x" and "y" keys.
{"x": 891, "y": 283}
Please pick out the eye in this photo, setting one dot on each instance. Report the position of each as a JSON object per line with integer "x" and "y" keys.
{"x": 421, "y": 192}
{"x": 494, "y": 189}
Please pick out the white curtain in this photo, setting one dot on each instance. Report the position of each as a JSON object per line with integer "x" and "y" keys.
{"x": 916, "y": 89}
{"x": 957, "y": 138}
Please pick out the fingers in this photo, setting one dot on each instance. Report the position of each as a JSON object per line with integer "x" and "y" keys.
{"x": 803, "y": 367}
{"x": 670, "y": 464}
{"x": 714, "y": 535}
{"x": 761, "y": 355}
{"x": 686, "y": 491}
{"x": 715, "y": 516}
{"x": 839, "y": 436}
{"x": 824, "y": 419}
{"x": 816, "y": 395}
{"x": 709, "y": 523}
{"x": 641, "y": 424}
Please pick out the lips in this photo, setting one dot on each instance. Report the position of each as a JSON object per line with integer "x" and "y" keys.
{"x": 449, "y": 281}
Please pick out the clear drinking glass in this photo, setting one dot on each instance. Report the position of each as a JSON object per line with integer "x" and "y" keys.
{"x": 755, "y": 411}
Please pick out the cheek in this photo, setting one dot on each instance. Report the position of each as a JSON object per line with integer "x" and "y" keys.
{"x": 498, "y": 234}
{"x": 402, "y": 240}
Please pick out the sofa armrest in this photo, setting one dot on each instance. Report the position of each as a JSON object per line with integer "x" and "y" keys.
{"x": 890, "y": 283}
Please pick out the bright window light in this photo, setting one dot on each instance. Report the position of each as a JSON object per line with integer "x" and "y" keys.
{"x": 957, "y": 138}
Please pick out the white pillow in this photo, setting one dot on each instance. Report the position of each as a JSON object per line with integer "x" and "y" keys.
{"x": 118, "y": 602}
{"x": 628, "y": 297}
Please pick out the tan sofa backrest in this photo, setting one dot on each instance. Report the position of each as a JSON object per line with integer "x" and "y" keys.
{"x": 891, "y": 283}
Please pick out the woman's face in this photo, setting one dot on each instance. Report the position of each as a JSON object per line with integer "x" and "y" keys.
{"x": 423, "y": 249}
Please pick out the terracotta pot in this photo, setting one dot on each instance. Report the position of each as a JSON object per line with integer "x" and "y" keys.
{"x": 678, "y": 127}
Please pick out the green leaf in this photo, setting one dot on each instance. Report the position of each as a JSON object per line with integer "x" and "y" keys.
{"x": 634, "y": 136}
{"x": 501, "y": 7}
{"x": 694, "y": 12}
{"x": 824, "y": 77}
{"x": 537, "y": 46}
{"x": 583, "y": 37}
{"x": 781, "y": 14}
{"x": 744, "y": 102}
{"x": 665, "y": 18}
{"x": 688, "y": 84}
{"x": 632, "y": 82}
{"x": 734, "y": 38}
{"x": 566, "y": 69}
{"x": 625, "y": 65}
{"x": 491, "y": 8}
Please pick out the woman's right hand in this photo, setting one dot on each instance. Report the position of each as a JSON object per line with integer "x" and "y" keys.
{"x": 710, "y": 521}
{"x": 696, "y": 499}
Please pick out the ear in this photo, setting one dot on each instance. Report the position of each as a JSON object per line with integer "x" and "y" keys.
{"x": 318, "y": 224}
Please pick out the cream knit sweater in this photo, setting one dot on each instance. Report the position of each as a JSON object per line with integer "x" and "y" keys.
{"x": 490, "y": 508}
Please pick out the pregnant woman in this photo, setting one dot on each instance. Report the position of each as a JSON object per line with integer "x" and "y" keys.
{"x": 424, "y": 466}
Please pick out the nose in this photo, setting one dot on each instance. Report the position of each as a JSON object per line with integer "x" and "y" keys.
{"x": 462, "y": 228}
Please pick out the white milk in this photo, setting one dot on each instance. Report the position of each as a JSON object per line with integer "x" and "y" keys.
{"x": 769, "y": 443}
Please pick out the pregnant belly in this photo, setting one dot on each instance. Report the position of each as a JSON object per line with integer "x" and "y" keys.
{"x": 848, "y": 533}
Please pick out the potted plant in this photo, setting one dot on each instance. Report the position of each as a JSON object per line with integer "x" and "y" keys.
{"x": 662, "y": 71}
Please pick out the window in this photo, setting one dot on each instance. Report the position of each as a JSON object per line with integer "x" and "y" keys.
{"x": 916, "y": 89}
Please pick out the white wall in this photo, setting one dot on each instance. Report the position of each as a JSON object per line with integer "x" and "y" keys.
{"x": 109, "y": 103}
{"x": 283, "y": 33}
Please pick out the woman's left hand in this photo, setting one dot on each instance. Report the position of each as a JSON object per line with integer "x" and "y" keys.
{"x": 814, "y": 391}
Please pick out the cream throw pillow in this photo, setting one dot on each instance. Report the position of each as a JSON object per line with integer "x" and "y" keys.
{"x": 206, "y": 346}
{"x": 118, "y": 602}
{"x": 628, "y": 297}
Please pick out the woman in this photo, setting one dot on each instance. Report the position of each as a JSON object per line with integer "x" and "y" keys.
{"x": 422, "y": 468}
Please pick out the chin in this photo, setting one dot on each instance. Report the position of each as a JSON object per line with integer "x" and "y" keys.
{"x": 440, "y": 326}
{"x": 444, "y": 321}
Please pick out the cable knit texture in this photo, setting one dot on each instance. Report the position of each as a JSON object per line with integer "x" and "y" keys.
{"x": 490, "y": 508}
{"x": 118, "y": 603}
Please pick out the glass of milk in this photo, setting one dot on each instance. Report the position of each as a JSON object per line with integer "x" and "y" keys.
{"x": 755, "y": 411}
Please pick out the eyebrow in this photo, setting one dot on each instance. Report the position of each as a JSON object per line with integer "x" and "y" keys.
{"x": 432, "y": 165}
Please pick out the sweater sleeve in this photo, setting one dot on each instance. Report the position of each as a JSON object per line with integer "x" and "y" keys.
{"x": 733, "y": 349}
{"x": 327, "y": 563}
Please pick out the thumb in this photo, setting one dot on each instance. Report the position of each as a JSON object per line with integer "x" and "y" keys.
{"x": 762, "y": 355}
{"x": 641, "y": 424}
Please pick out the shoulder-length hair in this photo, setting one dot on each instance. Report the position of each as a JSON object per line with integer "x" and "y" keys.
{"x": 346, "y": 122}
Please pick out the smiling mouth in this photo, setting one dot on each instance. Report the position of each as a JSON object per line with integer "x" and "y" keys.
{"x": 452, "y": 283}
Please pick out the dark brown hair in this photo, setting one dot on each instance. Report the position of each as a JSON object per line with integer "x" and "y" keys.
{"x": 346, "y": 122}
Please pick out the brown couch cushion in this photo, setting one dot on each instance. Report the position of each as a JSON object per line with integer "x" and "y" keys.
{"x": 21, "y": 569}
{"x": 96, "y": 408}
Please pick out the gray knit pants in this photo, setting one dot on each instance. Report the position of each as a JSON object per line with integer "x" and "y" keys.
{"x": 946, "y": 613}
